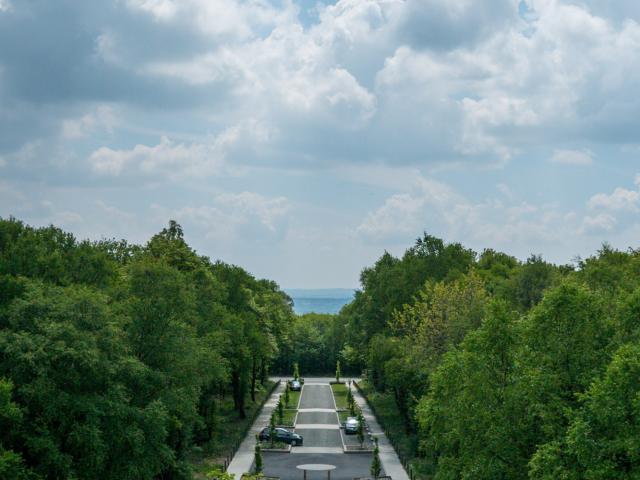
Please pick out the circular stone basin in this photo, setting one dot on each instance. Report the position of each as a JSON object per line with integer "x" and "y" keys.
{"x": 316, "y": 467}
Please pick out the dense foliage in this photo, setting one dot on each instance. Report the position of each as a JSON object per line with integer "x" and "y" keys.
{"x": 114, "y": 357}
{"x": 314, "y": 342}
{"x": 504, "y": 369}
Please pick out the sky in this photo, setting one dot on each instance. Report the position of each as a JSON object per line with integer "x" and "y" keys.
{"x": 301, "y": 140}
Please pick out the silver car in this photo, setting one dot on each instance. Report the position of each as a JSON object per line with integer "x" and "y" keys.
{"x": 351, "y": 425}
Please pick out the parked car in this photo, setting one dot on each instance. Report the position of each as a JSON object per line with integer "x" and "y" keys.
{"x": 282, "y": 435}
{"x": 295, "y": 386}
{"x": 351, "y": 425}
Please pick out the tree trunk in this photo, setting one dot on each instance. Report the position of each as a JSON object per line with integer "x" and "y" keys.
{"x": 263, "y": 371}
{"x": 254, "y": 374}
{"x": 238, "y": 394}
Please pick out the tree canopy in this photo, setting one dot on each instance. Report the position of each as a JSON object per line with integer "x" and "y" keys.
{"x": 113, "y": 356}
{"x": 501, "y": 368}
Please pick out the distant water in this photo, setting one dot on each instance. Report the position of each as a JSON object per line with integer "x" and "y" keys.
{"x": 326, "y": 300}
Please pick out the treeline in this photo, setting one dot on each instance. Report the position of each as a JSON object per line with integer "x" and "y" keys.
{"x": 315, "y": 342}
{"x": 501, "y": 368}
{"x": 114, "y": 357}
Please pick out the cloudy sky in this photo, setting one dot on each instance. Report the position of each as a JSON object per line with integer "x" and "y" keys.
{"x": 300, "y": 139}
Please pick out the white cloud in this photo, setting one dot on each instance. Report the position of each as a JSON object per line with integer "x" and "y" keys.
{"x": 5, "y": 6}
{"x": 480, "y": 84}
{"x": 9, "y": 195}
{"x": 407, "y": 213}
{"x": 160, "y": 9}
{"x": 602, "y": 222}
{"x": 435, "y": 207}
{"x": 26, "y": 156}
{"x": 167, "y": 158}
{"x": 114, "y": 212}
{"x": 572, "y": 157}
{"x": 620, "y": 199}
{"x": 407, "y": 86}
{"x": 102, "y": 118}
{"x": 616, "y": 211}
{"x": 231, "y": 18}
{"x": 60, "y": 217}
{"x": 231, "y": 217}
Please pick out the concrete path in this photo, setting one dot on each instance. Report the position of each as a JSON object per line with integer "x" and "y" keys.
{"x": 243, "y": 459}
{"x": 390, "y": 461}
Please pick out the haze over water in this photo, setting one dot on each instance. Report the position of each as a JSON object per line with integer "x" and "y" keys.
{"x": 325, "y": 300}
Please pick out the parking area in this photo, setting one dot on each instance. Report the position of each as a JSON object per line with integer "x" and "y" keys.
{"x": 353, "y": 439}
{"x": 320, "y": 437}
{"x": 348, "y": 466}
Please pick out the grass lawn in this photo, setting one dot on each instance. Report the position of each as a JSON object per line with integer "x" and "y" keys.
{"x": 229, "y": 430}
{"x": 343, "y": 416}
{"x": 389, "y": 417}
{"x": 340, "y": 394}
{"x": 294, "y": 398}
{"x": 267, "y": 444}
{"x": 288, "y": 417}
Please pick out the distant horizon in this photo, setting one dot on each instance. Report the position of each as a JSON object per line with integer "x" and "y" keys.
{"x": 330, "y": 291}
{"x": 319, "y": 300}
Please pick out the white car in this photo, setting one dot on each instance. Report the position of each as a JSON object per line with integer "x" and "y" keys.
{"x": 351, "y": 425}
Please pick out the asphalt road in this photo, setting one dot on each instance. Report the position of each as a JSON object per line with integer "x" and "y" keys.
{"x": 317, "y": 437}
{"x": 327, "y": 418}
{"x": 322, "y": 435}
{"x": 349, "y": 466}
{"x": 317, "y": 396}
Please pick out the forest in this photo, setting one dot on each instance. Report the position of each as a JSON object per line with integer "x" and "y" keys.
{"x": 493, "y": 368}
{"x": 117, "y": 360}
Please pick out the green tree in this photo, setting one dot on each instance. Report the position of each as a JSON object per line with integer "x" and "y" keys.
{"x": 441, "y": 316}
{"x": 360, "y": 430}
{"x": 601, "y": 442}
{"x": 258, "y": 464}
{"x": 280, "y": 409}
{"x": 472, "y": 418}
{"x": 287, "y": 395}
{"x": 272, "y": 430}
{"x": 88, "y": 416}
{"x": 218, "y": 474}
{"x": 350, "y": 400}
{"x": 376, "y": 465}
{"x": 568, "y": 343}
{"x": 338, "y": 371}
{"x": 531, "y": 280}
{"x": 11, "y": 463}
{"x": 120, "y": 355}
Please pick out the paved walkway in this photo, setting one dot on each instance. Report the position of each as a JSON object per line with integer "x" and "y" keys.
{"x": 243, "y": 459}
{"x": 390, "y": 461}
